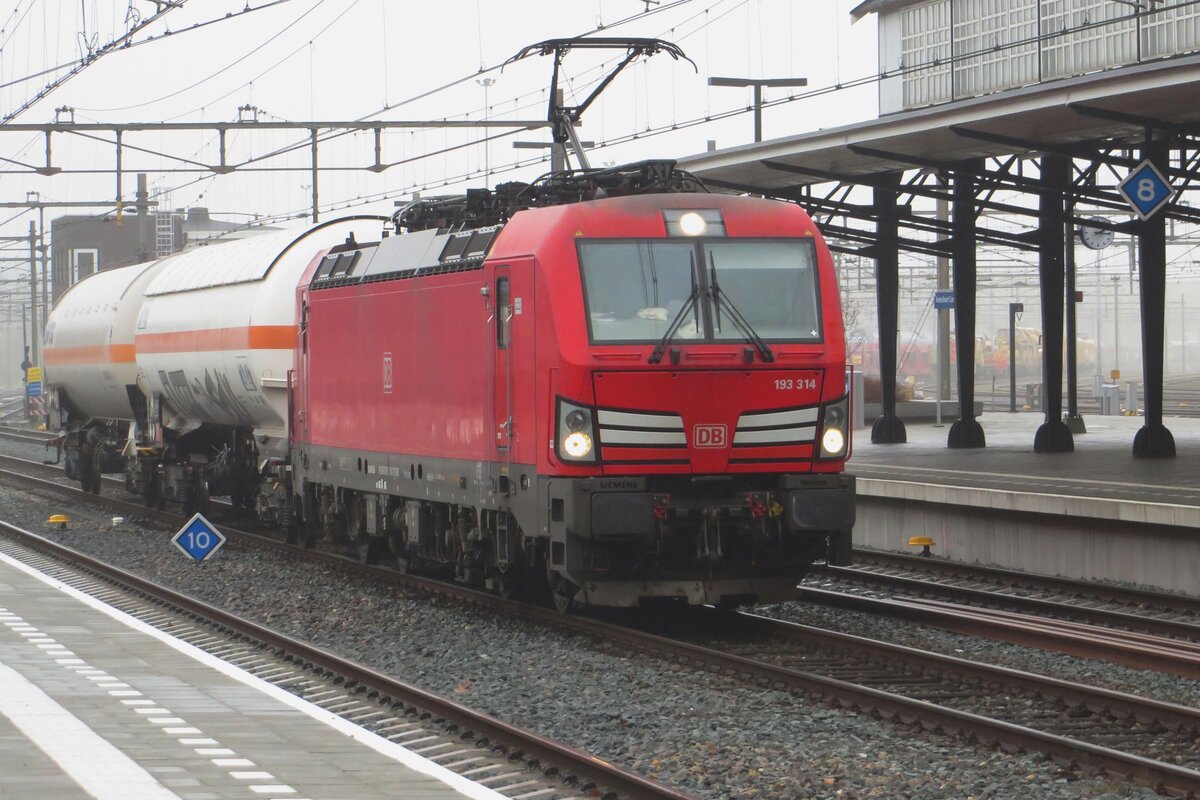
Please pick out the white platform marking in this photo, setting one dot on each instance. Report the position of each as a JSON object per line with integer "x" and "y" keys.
{"x": 408, "y": 758}
{"x": 98, "y": 767}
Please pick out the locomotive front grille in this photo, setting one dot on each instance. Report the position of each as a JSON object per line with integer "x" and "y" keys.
{"x": 776, "y": 428}
{"x": 641, "y": 429}
{"x": 774, "y": 437}
{"x": 642, "y": 437}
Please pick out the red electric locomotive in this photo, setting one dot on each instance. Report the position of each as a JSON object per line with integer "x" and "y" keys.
{"x": 611, "y": 381}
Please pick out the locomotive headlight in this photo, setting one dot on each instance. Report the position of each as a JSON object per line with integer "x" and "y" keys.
{"x": 577, "y": 445}
{"x": 694, "y": 221}
{"x": 835, "y": 431}
{"x": 833, "y": 441}
{"x": 692, "y": 224}
{"x": 576, "y": 436}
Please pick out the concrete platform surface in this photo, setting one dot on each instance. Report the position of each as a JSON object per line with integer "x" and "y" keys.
{"x": 94, "y": 703}
{"x": 1102, "y": 464}
{"x": 1096, "y": 513}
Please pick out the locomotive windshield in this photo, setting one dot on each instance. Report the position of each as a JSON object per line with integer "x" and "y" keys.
{"x": 635, "y": 289}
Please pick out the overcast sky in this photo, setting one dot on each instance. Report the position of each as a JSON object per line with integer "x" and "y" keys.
{"x": 302, "y": 60}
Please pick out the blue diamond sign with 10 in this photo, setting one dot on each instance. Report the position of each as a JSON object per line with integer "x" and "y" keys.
{"x": 198, "y": 539}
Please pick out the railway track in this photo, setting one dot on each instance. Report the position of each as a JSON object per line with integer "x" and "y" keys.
{"x": 1140, "y": 629}
{"x": 1148, "y": 605}
{"x": 501, "y": 756}
{"x": 25, "y": 435}
{"x": 1079, "y": 725}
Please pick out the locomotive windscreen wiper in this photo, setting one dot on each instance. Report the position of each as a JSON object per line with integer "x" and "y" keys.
{"x": 660, "y": 348}
{"x": 720, "y": 299}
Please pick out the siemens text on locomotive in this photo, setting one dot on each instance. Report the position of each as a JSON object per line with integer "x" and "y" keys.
{"x": 610, "y": 384}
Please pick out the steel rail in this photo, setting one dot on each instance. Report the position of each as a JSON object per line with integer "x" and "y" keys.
{"x": 1165, "y": 627}
{"x": 1161, "y": 655}
{"x": 1069, "y": 586}
{"x": 388, "y": 689}
{"x": 1177, "y": 780}
{"x": 1121, "y": 704}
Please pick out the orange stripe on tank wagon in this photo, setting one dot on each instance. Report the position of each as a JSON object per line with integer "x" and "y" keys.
{"x": 253, "y": 337}
{"x": 100, "y": 354}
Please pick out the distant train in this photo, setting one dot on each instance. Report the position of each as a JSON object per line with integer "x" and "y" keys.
{"x": 607, "y": 386}
{"x": 918, "y": 359}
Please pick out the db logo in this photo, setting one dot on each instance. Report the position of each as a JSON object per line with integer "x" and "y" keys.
{"x": 709, "y": 436}
{"x": 387, "y": 373}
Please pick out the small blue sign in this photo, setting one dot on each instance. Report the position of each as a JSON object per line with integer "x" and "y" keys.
{"x": 198, "y": 539}
{"x": 943, "y": 298}
{"x": 33, "y": 389}
{"x": 1146, "y": 190}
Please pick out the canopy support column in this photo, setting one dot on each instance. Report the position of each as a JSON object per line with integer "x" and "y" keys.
{"x": 1053, "y": 436}
{"x": 966, "y": 432}
{"x": 888, "y": 428}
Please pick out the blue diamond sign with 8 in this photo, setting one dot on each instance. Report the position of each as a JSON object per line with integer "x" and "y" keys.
{"x": 198, "y": 539}
{"x": 1146, "y": 190}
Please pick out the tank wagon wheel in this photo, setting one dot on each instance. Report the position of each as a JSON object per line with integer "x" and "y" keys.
{"x": 193, "y": 498}
{"x": 242, "y": 503}
{"x": 89, "y": 473}
{"x": 151, "y": 495}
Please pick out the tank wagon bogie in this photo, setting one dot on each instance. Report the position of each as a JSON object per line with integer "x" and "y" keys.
{"x": 609, "y": 388}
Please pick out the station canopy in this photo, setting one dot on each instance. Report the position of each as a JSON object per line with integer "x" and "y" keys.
{"x": 1117, "y": 104}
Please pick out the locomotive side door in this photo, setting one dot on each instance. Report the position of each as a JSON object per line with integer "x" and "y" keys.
{"x": 502, "y": 314}
{"x": 512, "y": 337}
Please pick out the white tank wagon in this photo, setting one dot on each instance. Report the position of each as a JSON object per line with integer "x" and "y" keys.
{"x": 88, "y": 347}
{"x": 212, "y": 338}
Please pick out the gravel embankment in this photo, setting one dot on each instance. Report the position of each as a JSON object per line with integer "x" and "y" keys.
{"x": 707, "y": 734}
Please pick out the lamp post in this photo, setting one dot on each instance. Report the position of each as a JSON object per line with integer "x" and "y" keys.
{"x": 758, "y": 84}
{"x": 487, "y": 144}
{"x": 1013, "y": 310}
{"x": 1116, "y": 282}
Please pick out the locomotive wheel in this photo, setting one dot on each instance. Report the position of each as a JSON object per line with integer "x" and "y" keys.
{"x": 371, "y": 549}
{"x": 562, "y": 594}
{"x": 511, "y": 583}
{"x": 310, "y": 529}
{"x": 397, "y": 547}
{"x": 288, "y": 525}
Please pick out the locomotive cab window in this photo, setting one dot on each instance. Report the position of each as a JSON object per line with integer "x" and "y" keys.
{"x": 772, "y": 284}
{"x": 635, "y": 289}
{"x": 638, "y": 290}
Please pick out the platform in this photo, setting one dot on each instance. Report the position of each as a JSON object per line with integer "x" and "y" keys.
{"x": 98, "y": 704}
{"x": 1095, "y": 513}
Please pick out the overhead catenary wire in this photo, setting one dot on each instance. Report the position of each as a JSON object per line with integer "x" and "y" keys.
{"x": 153, "y": 39}
{"x": 93, "y": 56}
{"x": 220, "y": 71}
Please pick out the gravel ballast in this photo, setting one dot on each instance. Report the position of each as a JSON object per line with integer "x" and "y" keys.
{"x": 708, "y": 734}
